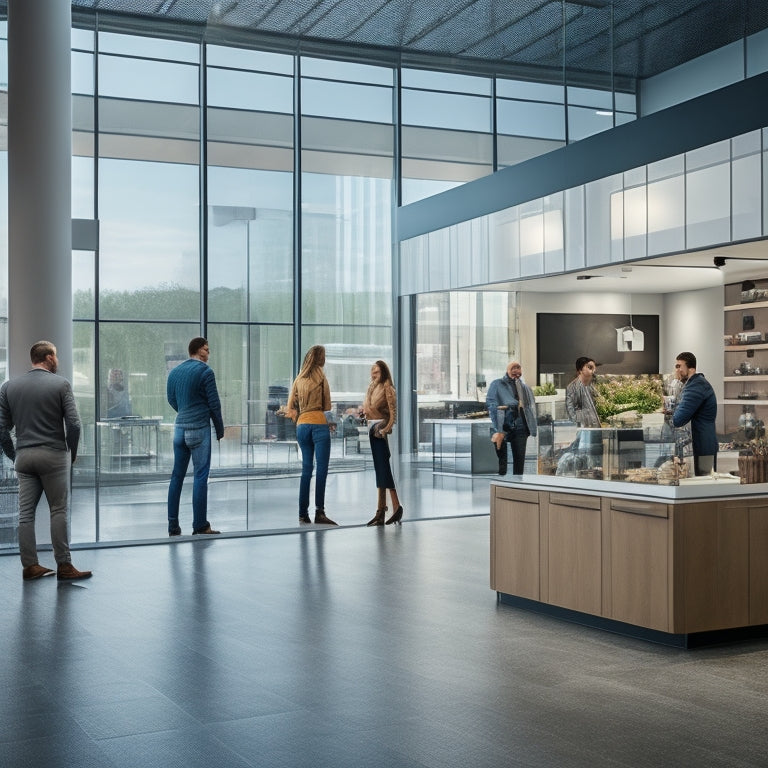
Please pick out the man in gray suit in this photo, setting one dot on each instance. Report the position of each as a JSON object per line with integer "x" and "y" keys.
{"x": 41, "y": 406}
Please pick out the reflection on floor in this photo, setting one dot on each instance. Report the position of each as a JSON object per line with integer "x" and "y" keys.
{"x": 139, "y": 512}
{"x": 353, "y": 648}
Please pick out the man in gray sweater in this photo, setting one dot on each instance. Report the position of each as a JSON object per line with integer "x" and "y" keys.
{"x": 41, "y": 406}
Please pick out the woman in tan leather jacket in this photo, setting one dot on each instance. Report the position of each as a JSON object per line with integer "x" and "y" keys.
{"x": 380, "y": 408}
{"x": 309, "y": 399}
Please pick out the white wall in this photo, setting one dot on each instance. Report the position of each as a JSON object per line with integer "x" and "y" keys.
{"x": 692, "y": 321}
{"x": 587, "y": 303}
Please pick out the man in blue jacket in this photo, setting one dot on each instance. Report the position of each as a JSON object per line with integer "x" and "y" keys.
{"x": 513, "y": 417}
{"x": 192, "y": 393}
{"x": 698, "y": 405}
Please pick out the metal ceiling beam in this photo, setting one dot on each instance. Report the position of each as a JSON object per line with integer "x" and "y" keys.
{"x": 544, "y": 34}
{"x": 365, "y": 20}
{"x": 438, "y": 23}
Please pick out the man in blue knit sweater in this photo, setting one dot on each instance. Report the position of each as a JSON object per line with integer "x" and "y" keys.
{"x": 192, "y": 393}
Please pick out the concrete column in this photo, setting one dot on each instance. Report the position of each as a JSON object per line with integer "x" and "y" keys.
{"x": 39, "y": 180}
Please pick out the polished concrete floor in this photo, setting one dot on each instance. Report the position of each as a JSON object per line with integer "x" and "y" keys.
{"x": 347, "y": 647}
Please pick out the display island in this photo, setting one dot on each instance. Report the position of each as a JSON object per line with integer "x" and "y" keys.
{"x": 684, "y": 565}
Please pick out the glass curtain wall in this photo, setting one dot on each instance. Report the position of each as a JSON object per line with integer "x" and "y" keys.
{"x": 464, "y": 340}
{"x": 8, "y": 520}
{"x": 186, "y": 155}
{"x": 347, "y": 162}
{"x": 447, "y": 131}
{"x": 250, "y": 267}
{"x": 142, "y": 169}
{"x": 147, "y": 271}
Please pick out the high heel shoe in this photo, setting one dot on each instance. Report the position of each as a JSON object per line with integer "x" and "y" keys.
{"x": 397, "y": 516}
{"x": 379, "y": 518}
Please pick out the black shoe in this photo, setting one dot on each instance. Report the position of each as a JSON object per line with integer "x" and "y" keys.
{"x": 379, "y": 518}
{"x": 305, "y": 520}
{"x": 397, "y": 516}
{"x": 175, "y": 532}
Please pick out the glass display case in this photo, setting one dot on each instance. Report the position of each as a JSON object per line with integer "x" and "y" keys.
{"x": 639, "y": 455}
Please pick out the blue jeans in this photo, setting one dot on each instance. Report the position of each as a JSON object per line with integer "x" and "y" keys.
{"x": 314, "y": 440}
{"x": 195, "y": 444}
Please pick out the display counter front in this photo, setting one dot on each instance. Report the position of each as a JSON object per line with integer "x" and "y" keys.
{"x": 463, "y": 446}
{"x": 683, "y": 565}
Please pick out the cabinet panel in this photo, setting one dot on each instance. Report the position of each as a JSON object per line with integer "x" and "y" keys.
{"x": 639, "y": 565}
{"x": 711, "y": 566}
{"x": 758, "y": 565}
{"x": 574, "y": 571}
{"x": 515, "y": 547}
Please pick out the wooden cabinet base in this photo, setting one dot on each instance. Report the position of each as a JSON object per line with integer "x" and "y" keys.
{"x": 680, "y": 571}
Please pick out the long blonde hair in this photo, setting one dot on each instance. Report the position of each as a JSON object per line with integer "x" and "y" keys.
{"x": 314, "y": 360}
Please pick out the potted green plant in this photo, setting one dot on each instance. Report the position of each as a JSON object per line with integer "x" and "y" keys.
{"x": 615, "y": 395}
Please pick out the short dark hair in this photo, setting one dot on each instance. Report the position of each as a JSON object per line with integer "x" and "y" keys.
{"x": 582, "y": 361}
{"x": 40, "y": 350}
{"x": 196, "y": 345}
{"x": 688, "y": 358}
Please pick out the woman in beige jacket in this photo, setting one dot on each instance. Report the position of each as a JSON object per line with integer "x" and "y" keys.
{"x": 380, "y": 408}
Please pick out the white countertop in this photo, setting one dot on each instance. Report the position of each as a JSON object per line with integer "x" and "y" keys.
{"x": 711, "y": 490}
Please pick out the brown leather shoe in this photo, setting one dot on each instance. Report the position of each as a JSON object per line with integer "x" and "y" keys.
{"x": 36, "y": 571}
{"x": 68, "y": 572}
{"x": 321, "y": 519}
{"x": 207, "y": 530}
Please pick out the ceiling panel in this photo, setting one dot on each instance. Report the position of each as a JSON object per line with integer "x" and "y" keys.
{"x": 640, "y": 37}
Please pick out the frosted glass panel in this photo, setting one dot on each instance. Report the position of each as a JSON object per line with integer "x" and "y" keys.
{"x": 708, "y": 206}
{"x": 574, "y": 228}
{"x": 709, "y": 155}
{"x": 666, "y": 216}
{"x": 598, "y": 218}
{"x": 635, "y": 222}
{"x": 746, "y": 198}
